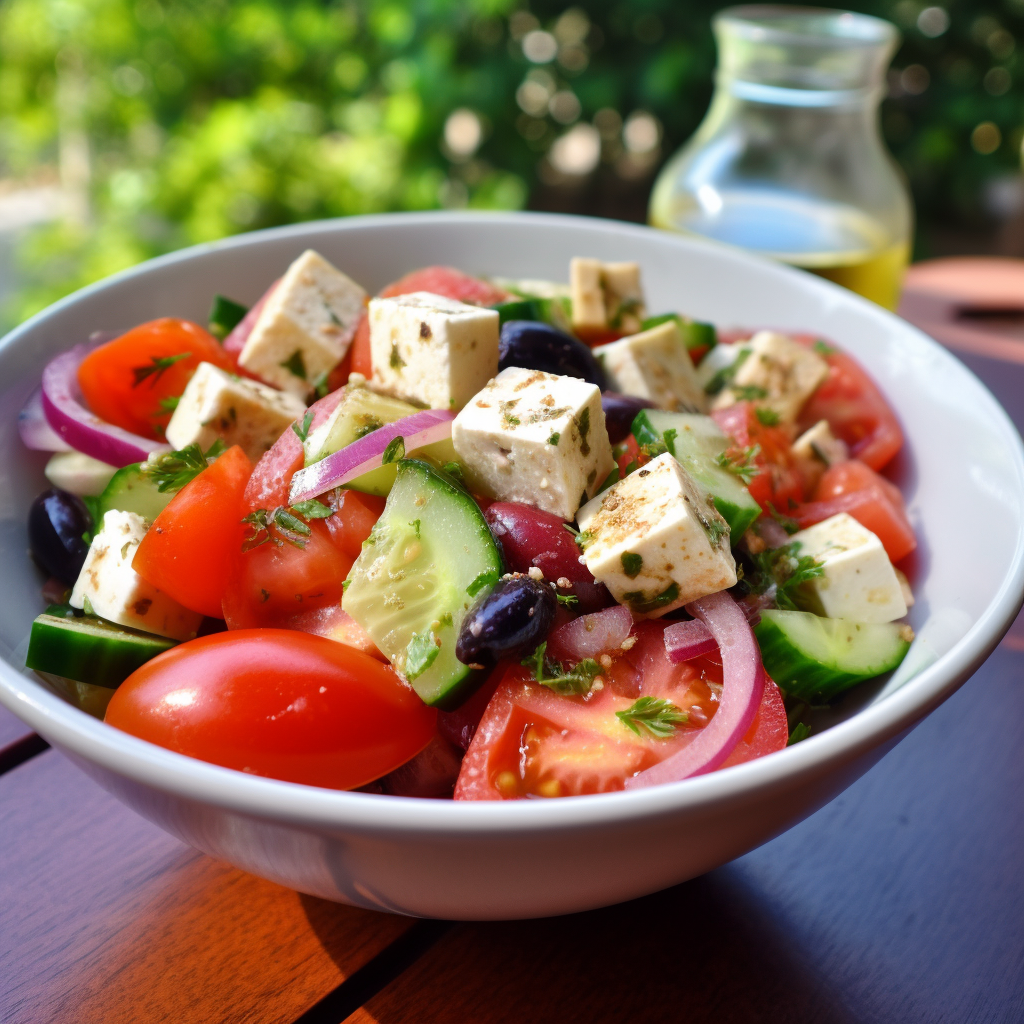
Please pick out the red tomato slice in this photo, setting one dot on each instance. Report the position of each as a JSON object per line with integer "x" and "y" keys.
{"x": 449, "y": 282}
{"x": 277, "y": 703}
{"x": 768, "y": 732}
{"x": 130, "y": 381}
{"x": 779, "y": 482}
{"x": 855, "y": 408}
{"x": 188, "y": 550}
{"x": 360, "y": 350}
{"x": 534, "y": 742}
{"x": 872, "y": 500}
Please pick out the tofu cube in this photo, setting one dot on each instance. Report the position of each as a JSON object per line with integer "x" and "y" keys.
{"x": 654, "y": 365}
{"x": 778, "y": 374}
{"x": 537, "y": 438}
{"x": 656, "y": 541}
{"x": 605, "y": 296}
{"x": 305, "y": 327}
{"x": 818, "y": 443}
{"x": 430, "y": 349}
{"x": 216, "y": 404}
{"x": 114, "y": 590}
{"x": 858, "y": 581}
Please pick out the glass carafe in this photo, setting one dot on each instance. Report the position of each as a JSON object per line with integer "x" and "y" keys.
{"x": 789, "y": 160}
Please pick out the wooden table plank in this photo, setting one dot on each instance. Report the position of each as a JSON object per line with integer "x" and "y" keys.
{"x": 104, "y": 918}
{"x": 900, "y": 901}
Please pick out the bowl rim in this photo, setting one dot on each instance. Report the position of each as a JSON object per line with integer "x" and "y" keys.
{"x": 89, "y": 740}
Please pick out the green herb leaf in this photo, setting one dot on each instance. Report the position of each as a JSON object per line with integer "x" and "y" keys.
{"x": 421, "y": 653}
{"x": 302, "y": 429}
{"x": 295, "y": 364}
{"x": 659, "y": 717}
{"x": 784, "y": 567}
{"x": 554, "y": 438}
{"x": 569, "y": 600}
{"x": 582, "y": 538}
{"x": 156, "y": 367}
{"x": 741, "y": 463}
{"x": 632, "y": 563}
{"x": 748, "y": 392}
{"x": 641, "y": 603}
{"x": 453, "y": 469}
{"x": 169, "y": 404}
{"x": 823, "y": 348}
{"x": 170, "y": 471}
{"x": 766, "y": 417}
{"x": 320, "y": 386}
{"x": 485, "y": 579}
{"x": 799, "y": 732}
{"x": 225, "y": 316}
{"x": 396, "y": 361}
{"x": 577, "y": 680}
{"x": 312, "y": 509}
{"x": 789, "y": 524}
{"x": 394, "y": 451}
{"x": 725, "y": 375}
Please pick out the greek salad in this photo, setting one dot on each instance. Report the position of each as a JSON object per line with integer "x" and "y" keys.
{"x": 476, "y": 538}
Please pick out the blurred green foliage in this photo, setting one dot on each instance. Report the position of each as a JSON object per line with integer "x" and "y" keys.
{"x": 170, "y": 122}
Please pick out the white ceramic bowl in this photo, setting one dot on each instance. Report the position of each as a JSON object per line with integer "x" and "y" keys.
{"x": 963, "y": 475}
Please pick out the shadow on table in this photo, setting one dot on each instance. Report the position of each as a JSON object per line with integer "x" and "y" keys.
{"x": 697, "y": 952}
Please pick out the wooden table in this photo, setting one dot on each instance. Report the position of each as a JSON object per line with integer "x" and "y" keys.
{"x": 902, "y": 901}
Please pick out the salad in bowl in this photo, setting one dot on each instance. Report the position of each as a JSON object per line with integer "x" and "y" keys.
{"x": 472, "y": 537}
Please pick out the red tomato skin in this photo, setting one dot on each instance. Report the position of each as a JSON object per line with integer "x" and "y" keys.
{"x": 187, "y": 552}
{"x": 361, "y": 361}
{"x": 277, "y": 703}
{"x": 236, "y": 339}
{"x": 873, "y": 501}
{"x": 768, "y": 732}
{"x": 855, "y": 408}
{"x": 449, "y": 282}
{"x": 108, "y": 382}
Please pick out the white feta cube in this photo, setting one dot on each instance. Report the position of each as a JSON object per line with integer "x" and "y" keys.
{"x": 656, "y": 541}
{"x": 216, "y": 404}
{"x": 605, "y": 296}
{"x": 306, "y": 326}
{"x": 821, "y": 445}
{"x": 430, "y": 349}
{"x": 654, "y": 365}
{"x": 712, "y": 374}
{"x": 778, "y": 374}
{"x": 114, "y": 590}
{"x": 534, "y": 437}
{"x": 858, "y": 581}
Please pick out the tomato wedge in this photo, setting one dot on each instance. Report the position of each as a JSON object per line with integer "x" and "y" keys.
{"x": 872, "y": 500}
{"x": 187, "y": 552}
{"x": 133, "y": 380}
{"x": 277, "y": 703}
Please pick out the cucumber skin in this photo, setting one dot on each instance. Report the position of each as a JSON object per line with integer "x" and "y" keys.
{"x": 739, "y": 517}
{"x": 802, "y": 675}
{"x": 130, "y": 491}
{"x": 62, "y": 647}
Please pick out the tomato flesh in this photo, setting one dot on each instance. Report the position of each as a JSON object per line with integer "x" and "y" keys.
{"x": 188, "y": 551}
{"x": 276, "y": 703}
{"x": 132, "y": 380}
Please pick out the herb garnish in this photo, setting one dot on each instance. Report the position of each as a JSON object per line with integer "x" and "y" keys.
{"x": 170, "y": 471}
{"x": 798, "y": 733}
{"x": 766, "y": 417}
{"x": 485, "y": 579}
{"x": 302, "y": 429}
{"x": 741, "y": 463}
{"x": 725, "y": 375}
{"x": 295, "y": 364}
{"x": 420, "y": 654}
{"x": 289, "y": 524}
{"x": 394, "y": 451}
{"x": 659, "y": 717}
{"x": 156, "y": 368}
{"x": 578, "y": 680}
{"x": 784, "y": 567}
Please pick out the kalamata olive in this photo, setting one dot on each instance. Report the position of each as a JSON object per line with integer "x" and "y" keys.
{"x": 508, "y": 623}
{"x": 530, "y": 536}
{"x": 619, "y": 413}
{"x": 538, "y": 346}
{"x": 56, "y": 522}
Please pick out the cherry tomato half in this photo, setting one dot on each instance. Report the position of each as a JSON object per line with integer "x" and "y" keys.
{"x": 277, "y": 703}
{"x": 133, "y": 380}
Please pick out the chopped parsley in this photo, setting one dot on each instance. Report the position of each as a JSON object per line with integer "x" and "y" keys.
{"x": 632, "y": 563}
{"x": 287, "y": 524}
{"x": 788, "y": 523}
{"x": 396, "y": 362}
{"x": 312, "y": 509}
{"x": 639, "y": 602}
{"x": 582, "y": 538}
{"x": 172, "y": 470}
{"x": 485, "y": 579}
{"x": 823, "y": 348}
{"x": 741, "y": 463}
{"x": 786, "y": 569}
{"x": 168, "y": 404}
{"x": 554, "y": 438}
{"x": 725, "y": 375}
{"x": 766, "y": 417}
{"x": 583, "y": 426}
{"x": 659, "y": 717}
{"x": 295, "y": 364}
{"x": 156, "y": 368}
{"x": 453, "y": 469}
{"x": 302, "y": 429}
{"x": 394, "y": 451}
{"x": 748, "y": 392}
{"x": 569, "y": 600}
{"x": 577, "y": 680}
{"x": 799, "y": 732}
{"x": 320, "y": 385}
{"x": 421, "y": 653}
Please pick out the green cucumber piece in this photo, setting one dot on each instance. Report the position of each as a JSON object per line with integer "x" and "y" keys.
{"x": 360, "y": 412}
{"x": 131, "y": 490}
{"x": 225, "y": 316}
{"x": 696, "y": 441}
{"x": 89, "y": 649}
{"x": 815, "y": 658}
{"x": 518, "y": 309}
{"x": 429, "y": 558}
{"x": 695, "y": 333}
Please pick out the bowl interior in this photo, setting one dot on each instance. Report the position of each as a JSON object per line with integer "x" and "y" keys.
{"x": 961, "y": 471}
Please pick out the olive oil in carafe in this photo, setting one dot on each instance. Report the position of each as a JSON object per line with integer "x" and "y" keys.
{"x": 832, "y": 240}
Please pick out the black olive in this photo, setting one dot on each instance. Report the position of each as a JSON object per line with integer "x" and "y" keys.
{"x": 539, "y": 346}
{"x": 56, "y": 522}
{"x": 619, "y": 413}
{"x": 508, "y": 623}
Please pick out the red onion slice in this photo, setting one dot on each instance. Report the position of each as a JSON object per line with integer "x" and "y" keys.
{"x": 36, "y": 432}
{"x": 590, "y": 635}
{"x": 235, "y": 340}
{"x": 685, "y": 641}
{"x": 79, "y": 428}
{"x": 743, "y": 678}
{"x": 363, "y": 455}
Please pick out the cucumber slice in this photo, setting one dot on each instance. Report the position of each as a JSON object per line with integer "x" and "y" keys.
{"x": 360, "y": 412}
{"x": 79, "y": 474}
{"x": 428, "y": 559}
{"x": 131, "y": 490}
{"x": 518, "y": 309}
{"x": 815, "y": 659}
{"x": 225, "y": 316}
{"x": 696, "y": 441}
{"x": 90, "y": 650}
{"x": 695, "y": 333}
